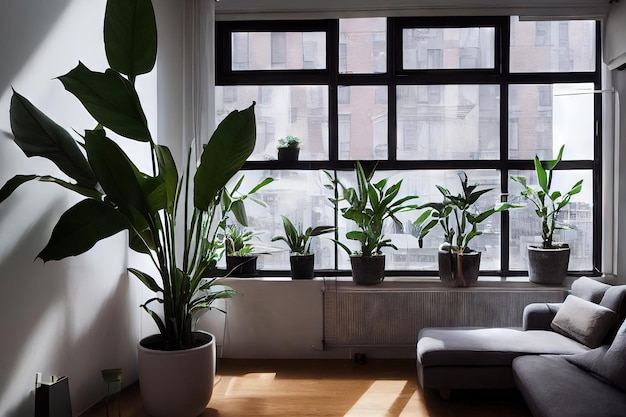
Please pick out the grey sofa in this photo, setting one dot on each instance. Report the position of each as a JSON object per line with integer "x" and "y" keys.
{"x": 556, "y": 359}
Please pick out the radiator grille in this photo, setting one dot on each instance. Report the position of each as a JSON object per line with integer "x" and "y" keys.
{"x": 384, "y": 316}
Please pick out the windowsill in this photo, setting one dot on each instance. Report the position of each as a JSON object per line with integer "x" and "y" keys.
{"x": 408, "y": 282}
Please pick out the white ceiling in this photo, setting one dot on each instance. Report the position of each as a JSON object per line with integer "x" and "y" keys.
{"x": 278, "y": 9}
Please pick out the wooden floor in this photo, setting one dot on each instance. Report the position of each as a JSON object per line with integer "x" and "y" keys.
{"x": 332, "y": 388}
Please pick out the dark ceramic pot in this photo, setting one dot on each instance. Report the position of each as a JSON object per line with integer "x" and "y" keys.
{"x": 458, "y": 269}
{"x": 241, "y": 266}
{"x": 548, "y": 266}
{"x": 288, "y": 154}
{"x": 302, "y": 266}
{"x": 368, "y": 270}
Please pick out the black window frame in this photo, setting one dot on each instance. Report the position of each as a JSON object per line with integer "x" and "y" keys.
{"x": 498, "y": 75}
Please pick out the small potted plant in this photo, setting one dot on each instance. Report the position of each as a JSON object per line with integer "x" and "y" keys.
{"x": 369, "y": 205}
{"x": 301, "y": 259}
{"x": 547, "y": 262}
{"x": 458, "y": 216}
{"x": 240, "y": 251}
{"x": 288, "y": 148}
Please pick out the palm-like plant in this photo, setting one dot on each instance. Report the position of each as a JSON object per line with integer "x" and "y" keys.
{"x": 547, "y": 203}
{"x": 369, "y": 206}
{"x": 299, "y": 240}
{"x": 457, "y": 215}
{"x": 120, "y": 197}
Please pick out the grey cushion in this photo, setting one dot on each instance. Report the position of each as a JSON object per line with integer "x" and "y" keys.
{"x": 488, "y": 346}
{"x": 608, "y": 362}
{"x": 583, "y": 321}
{"x": 589, "y": 289}
{"x": 553, "y": 387}
{"x": 615, "y": 299}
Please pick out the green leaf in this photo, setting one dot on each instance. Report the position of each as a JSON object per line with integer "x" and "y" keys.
{"x": 81, "y": 227}
{"x": 110, "y": 99}
{"x": 230, "y": 146}
{"x": 12, "y": 184}
{"x": 37, "y": 135}
{"x": 169, "y": 174}
{"x": 130, "y": 36}
{"x": 542, "y": 177}
{"x": 116, "y": 174}
{"x": 146, "y": 279}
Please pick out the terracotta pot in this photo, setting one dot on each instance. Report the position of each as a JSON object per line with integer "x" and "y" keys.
{"x": 368, "y": 270}
{"x": 302, "y": 266}
{"x": 458, "y": 269}
{"x": 176, "y": 383}
{"x": 548, "y": 266}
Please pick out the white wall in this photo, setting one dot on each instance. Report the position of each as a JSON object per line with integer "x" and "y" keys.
{"x": 619, "y": 84}
{"x": 77, "y": 316}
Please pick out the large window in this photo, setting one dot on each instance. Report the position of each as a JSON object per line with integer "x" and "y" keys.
{"x": 427, "y": 98}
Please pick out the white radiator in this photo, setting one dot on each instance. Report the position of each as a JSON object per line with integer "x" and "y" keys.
{"x": 391, "y": 314}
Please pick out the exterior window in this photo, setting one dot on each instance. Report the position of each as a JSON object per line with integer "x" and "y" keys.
{"x": 427, "y": 98}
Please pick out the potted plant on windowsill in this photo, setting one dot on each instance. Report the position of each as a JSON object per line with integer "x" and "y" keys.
{"x": 170, "y": 216}
{"x": 548, "y": 262}
{"x": 369, "y": 206}
{"x": 240, "y": 251}
{"x": 301, "y": 259}
{"x": 458, "y": 216}
{"x": 288, "y": 148}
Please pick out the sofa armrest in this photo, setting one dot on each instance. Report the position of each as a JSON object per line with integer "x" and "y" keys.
{"x": 538, "y": 316}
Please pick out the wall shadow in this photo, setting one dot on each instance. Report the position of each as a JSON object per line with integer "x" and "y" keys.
{"x": 24, "y": 25}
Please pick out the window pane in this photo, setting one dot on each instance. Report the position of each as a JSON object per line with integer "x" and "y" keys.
{"x": 560, "y": 46}
{"x": 577, "y": 215}
{"x": 448, "y": 48}
{"x": 278, "y": 50}
{"x": 542, "y": 117}
{"x": 285, "y": 197}
{"x": 300, "y": 111}
{"x": 363, "y": 125}
{"x": 448, "y": 122}
{"x": 363, "y": 45}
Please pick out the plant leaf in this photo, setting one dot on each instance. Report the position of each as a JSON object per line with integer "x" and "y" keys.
{"x": 37, "y": 135}
{"x": 81, "y": 227}
{"x": 110, "y": 99}
{"x": 12, "y": 184}
{"x": 146, "y": 279}
{"x": 230, "y": 146}
{"x": 130, "y": 36}
{"x": 116, "y": 174}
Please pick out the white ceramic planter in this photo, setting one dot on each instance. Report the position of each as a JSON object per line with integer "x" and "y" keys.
{"x": 176, "y": 383}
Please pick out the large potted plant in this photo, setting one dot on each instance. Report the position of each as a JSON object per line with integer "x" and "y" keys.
{"x": 459, "y": 217}
{"x": 301, "y": 259}
{"x": 547, "y": 262}
{"x": 170, "y": 216}
{"x": 369, "y": 206}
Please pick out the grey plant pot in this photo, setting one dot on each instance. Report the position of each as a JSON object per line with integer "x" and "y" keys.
{"x": 458, "y": 269}
{"x": 368, "y": 270}
{"x": 548, "y": 266}
{"x": 176, "y": 383}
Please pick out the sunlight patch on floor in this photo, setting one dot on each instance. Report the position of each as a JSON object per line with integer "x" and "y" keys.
{"x": 253, "y": 382}
{"x": 378, "y": 400}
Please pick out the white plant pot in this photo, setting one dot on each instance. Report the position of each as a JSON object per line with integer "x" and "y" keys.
{"x": 176, "y": 383}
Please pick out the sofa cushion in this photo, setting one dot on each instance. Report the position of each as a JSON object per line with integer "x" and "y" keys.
{"x": 608, "y": 362}
{"x": 589, "y": 289}
{"x": 615, "y": 299}
{"x": 488, "y": 346}
{"x": 583, "y": 321}
{"x": 553, "y": 387}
